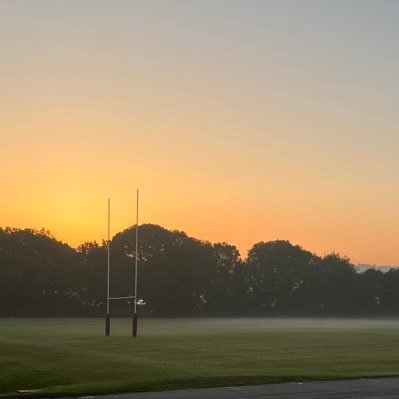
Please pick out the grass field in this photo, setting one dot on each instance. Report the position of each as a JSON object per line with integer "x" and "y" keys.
{"x": 71, "y": 356}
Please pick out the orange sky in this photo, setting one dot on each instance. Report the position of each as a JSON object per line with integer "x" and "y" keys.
{"x": 239, "y": 123}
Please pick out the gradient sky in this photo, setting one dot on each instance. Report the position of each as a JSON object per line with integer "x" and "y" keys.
{"x": 239, "y": 121}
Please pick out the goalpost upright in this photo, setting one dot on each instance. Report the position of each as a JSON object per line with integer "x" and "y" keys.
{"x": 134, "y": 331}
{"x": 107, "y": 319}
{"x": 134, "y": 297}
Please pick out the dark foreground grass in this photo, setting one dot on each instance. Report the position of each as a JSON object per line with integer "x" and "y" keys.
{"x": 71, "y": 356}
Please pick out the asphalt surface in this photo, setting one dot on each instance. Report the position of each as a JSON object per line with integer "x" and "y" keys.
{"x": 363, "y": 388}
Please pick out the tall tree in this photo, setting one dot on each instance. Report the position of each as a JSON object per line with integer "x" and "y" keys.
{"x": 36, "y": 273}
{"x": 226, "y": 284}
{"x": 174, "y": 270}
{"x": 274, "y": 271}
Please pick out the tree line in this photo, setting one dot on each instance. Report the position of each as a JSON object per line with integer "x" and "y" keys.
{"x": 183, "y": 276}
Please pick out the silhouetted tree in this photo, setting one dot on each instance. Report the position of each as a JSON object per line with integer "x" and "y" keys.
{"x": 370, "y": 292}
{"x": 274, "y": 272}
{"x": 180, "y": 275}
{"x": 225, "y": 286}
{"x": 389, "y": 298}
{"x": 336, "y": 285}
{"x": 175, "y": 270}
{"x": 92, "y": 276}
{"x": 36, "y": 273}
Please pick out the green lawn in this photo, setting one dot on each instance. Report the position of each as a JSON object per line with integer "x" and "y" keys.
{"x": 71, "y": 356}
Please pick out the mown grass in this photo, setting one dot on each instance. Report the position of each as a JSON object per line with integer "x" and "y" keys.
{"x": 71, "y": 356}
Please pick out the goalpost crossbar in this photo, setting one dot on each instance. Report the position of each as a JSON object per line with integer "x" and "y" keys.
{"x": 122, "y": 297}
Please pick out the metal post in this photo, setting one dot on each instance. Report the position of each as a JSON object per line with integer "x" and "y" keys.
{"x": 134, "y": 332}
{"x": 108, "y": 319}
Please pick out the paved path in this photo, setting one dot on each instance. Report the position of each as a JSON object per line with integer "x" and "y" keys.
{"x": 364, "y": 388}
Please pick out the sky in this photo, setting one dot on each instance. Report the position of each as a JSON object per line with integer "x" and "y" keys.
{"x": 239, "y": 121}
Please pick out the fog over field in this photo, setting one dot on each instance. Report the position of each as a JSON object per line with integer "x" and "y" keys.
{"x": 157, "y": 327}
{"x": 259, "y": 325}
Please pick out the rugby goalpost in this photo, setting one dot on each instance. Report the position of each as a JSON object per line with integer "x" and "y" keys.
{"x": 134, "y": 297}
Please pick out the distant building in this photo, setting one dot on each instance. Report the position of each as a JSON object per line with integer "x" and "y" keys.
{"x": 363, "y": 267}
